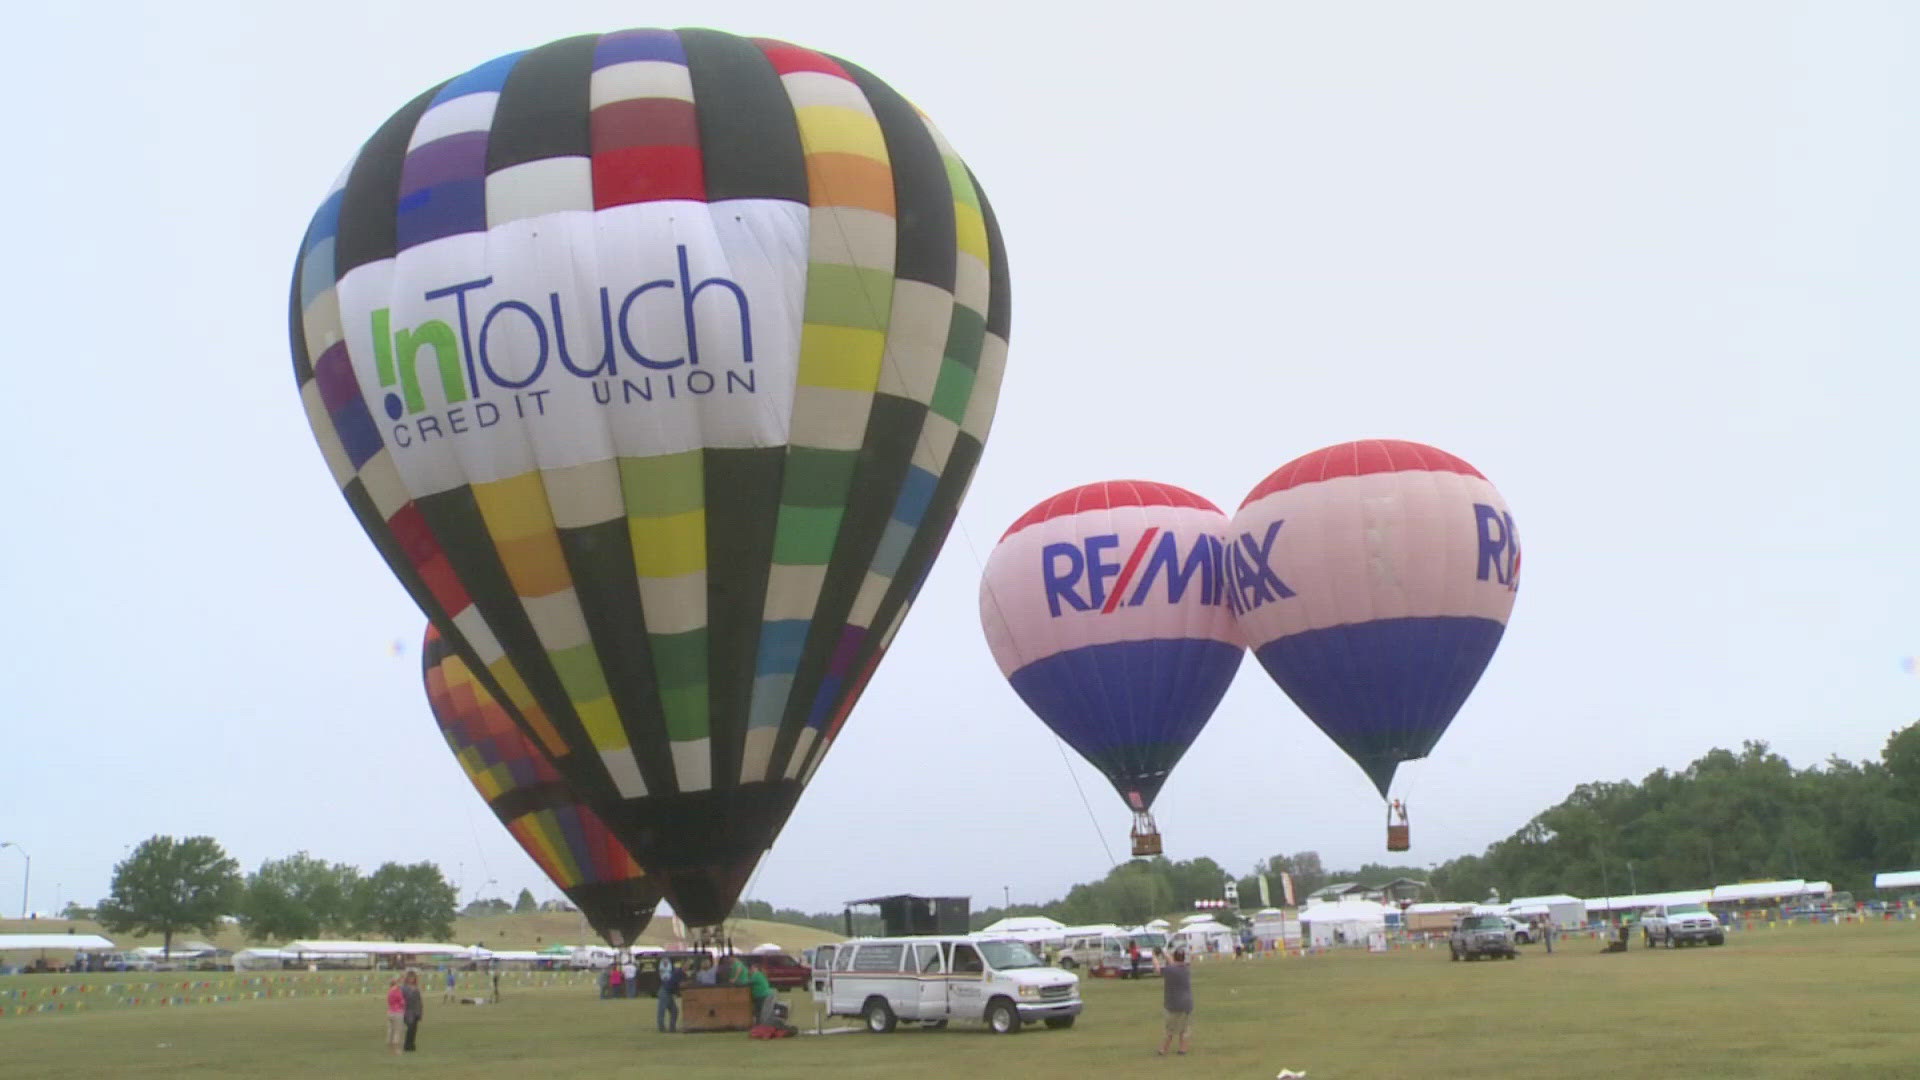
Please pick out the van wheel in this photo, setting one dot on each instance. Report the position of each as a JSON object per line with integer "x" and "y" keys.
{"x": 878, "y": 1015}
{"x": 1002, "y": 1017}
{"x": 1067, "y": 963}
{"x": 1059, "y": 1021}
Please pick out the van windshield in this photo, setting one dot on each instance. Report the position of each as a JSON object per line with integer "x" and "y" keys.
{"x": 1009, "y": 954}
{"x": 1151, "y": 939}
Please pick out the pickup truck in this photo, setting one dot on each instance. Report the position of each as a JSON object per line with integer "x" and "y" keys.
{"x": 1481, "y": 935}
{"x": 1673, "y": 925}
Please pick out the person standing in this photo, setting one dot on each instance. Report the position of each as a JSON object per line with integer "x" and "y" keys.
{"x": 1176, "y": 997}
{"x": 1546, "y": 933}
{"x": 616, "y": 980}
{"x": 496, "y": 982}
{"x": 667, "y": 1016}
{"x": 413, "y": 1007}
{"x": 631, "y": 970}
{"x": 758, "y": 988}
{"x": 451, "y": 977}
{"x": 396, "y": 1015}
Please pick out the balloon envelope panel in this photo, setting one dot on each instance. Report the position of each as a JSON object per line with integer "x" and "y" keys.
{"x": 1106, "y": 607}
{"x": 1373, "y": 581}
{"x": 570, "y": 842}
{"x": 656, "y": 364}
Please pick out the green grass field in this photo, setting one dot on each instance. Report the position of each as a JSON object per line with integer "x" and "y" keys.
{"x": 1826, "y": 1001}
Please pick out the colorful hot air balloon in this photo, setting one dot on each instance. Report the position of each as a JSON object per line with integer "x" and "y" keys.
{"x": 523, "y": 789}
{"x": 1373, "y": 580}
{"x": 1106, "y": 607}
{"x": 656, "y": 363}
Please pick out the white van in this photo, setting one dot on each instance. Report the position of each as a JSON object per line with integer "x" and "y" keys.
{"x": 941, "y": 978}
{"x": 1109, "y": 951}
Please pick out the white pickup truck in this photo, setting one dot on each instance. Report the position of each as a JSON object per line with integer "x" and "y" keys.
{"x": 1673, "y": 925}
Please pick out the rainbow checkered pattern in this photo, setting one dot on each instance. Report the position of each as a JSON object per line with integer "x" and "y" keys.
{"x": 678, "y": 585}
{"x": 570, "y": 842}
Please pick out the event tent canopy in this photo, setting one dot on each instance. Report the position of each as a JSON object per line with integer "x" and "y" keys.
{"x": 76, "y": 942}
{"x": 1024, "y": 924}
{"x": 1897, "y": 879}
{"x": 383, "y": 948}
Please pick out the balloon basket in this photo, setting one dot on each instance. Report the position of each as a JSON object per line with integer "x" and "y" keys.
{"x": 1398, "y": 838}
{"x": 1146, "y": 835}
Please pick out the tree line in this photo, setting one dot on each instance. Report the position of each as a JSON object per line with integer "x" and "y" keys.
{"x": 1725, "y": 818}
{"x": 169, "y": 885}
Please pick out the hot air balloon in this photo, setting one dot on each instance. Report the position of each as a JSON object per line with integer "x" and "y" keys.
{"x": 1106, "y": 607}
{"x": 1373, "y": 580}
{"x": 523, "y": 789}
{"x": 656, "y": 363}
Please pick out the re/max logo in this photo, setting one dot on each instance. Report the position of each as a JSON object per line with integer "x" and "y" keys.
{"x": 1254, "y": 582}
{"x": 484, "y": 342}
{"x": 1077, "y": 574}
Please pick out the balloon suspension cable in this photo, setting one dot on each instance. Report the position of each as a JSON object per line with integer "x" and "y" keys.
{"x": 1059, "y": 744}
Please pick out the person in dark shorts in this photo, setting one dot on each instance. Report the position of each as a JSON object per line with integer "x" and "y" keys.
{"x": 1176, "y": 996}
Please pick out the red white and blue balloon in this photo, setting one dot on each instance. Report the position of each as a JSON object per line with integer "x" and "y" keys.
{"x": 1373, "y": 580}
{"x": 1106, "y": 607}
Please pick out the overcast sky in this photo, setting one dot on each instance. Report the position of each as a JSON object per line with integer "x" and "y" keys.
{"x": 1650, "y": 267}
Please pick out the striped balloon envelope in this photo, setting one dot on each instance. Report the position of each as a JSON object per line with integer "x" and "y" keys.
{"x": 656, "y": 364}
{"x": 568, "y": 841}
{"x": 1106, "y": 607}
{"x": 1373, "y": 580}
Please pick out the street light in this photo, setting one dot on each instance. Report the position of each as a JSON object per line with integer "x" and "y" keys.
{"x": 27, "y": 879}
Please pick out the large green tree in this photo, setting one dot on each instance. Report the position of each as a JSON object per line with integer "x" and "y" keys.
{"x": 298, "y": 897}
{"x": 168, "y": 885}
{"x": 407, "y": 901}
{"x": 525, "y": 904}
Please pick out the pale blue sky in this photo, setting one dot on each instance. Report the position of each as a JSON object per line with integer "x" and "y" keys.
{"x": 1650, "y": 267}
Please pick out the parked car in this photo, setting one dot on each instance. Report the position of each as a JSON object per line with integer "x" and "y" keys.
{"x": 1522, "y": 930}
{"x": 1481, "y": 935}
{"x": 1682, "y": 924}
{"x": 128, "y": 961}
{"x": 939, "y": 978}
{"x": 783, "y": 971}
{"x": 647, "y": 967}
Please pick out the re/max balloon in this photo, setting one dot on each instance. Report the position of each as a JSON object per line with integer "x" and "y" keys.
{"x": 523, "y": 789}
{"x": 1106, "y": 607}
{"x": 1373, "y": 580}
{"x": 656, "y": 364}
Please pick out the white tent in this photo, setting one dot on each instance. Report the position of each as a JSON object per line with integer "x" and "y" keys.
{"x": 766, "y": 948}
{"x": 1204, "y": 936}
{"x": 1020, "y": 924}
{"x": 1752, "y": 891}
{"x": 75, "y": 942}
{"x": 1346, "y": 922}
{"x": 1564, "y": 911}
{"x": 1897, "y": 879}
{"x": 261, "y": 959}
{"x": 1606, "y": 905}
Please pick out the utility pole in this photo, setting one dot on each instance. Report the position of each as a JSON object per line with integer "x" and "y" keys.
{"x": 25, "y": 880}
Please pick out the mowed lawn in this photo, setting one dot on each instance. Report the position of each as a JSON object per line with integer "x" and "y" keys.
{"x": 1827, "y": 1001}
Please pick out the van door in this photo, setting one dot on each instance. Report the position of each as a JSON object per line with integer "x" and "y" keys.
{"x": 930, "y": 971}
{"x": 843, "y": 988}
{"x": 822, "y": 963}
{"x": 966, "y": 983}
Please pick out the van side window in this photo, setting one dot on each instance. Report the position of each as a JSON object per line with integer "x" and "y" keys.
{"x": 879, "y": 957}
{"x": 843, "y": 959}
{"x": 929, "y": 958}
{"x": 966, "y": 960}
